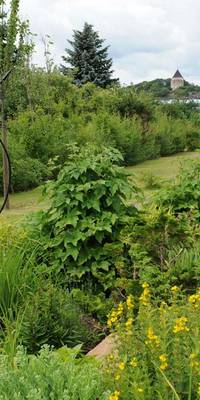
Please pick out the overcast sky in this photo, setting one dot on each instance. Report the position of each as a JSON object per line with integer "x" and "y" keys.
{"x": 148, "y": 38}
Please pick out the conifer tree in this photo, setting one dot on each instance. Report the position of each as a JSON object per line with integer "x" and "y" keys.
{"x": 88, "y": 58}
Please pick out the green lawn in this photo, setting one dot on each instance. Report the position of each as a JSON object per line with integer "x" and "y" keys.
{"x": 24, "y": 203}
{"x": 166, "y": 168}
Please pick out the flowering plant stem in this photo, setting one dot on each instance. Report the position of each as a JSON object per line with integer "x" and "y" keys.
{"x": 190, "y": 385}
{"x": 169, "y": 383}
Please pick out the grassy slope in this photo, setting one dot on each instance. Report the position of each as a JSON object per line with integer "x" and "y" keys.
{"x": 166, "y": 168}
{"x": 23, "y": 204}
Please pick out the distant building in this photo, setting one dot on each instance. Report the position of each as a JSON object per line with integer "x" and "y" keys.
{"x": 177, "y": 81}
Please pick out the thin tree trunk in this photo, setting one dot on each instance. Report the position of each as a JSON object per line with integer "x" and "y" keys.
{"x": 5, "y": 142}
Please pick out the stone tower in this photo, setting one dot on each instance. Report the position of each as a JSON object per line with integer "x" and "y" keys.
{"x": 177, "y": 81}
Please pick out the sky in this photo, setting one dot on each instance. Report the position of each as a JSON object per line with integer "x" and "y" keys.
{"x": 148, "y": 39}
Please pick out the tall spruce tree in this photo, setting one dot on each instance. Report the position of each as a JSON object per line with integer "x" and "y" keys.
{"x": 88, "y": 58}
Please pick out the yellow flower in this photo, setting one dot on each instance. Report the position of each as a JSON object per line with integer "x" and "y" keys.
{"x": 194, "y": 362}
{"x": 113, "y": 318}
{"x": 140, "y": 390}
{"x": 163, "y": 366}
{"x": 121, "y": 366}
{"x": 129, "y": 302}
{"x": 180, "y": 325}
{"x": 194, "y": 299}
{"x": 120, "y": 310}
{"x": 163, "y": 307}
{"x": 115, "y": 395}
{"x": 117, "y": 377}
{"x": 163, "y": 360}
{"x": 174, "y": 289}
{"x": 198, "y": 391}
{"x": 144, "y": 298}
{"x": 129, "y": 323}
{"x": 134, "y": 362}
{"x": 153, "y": 339}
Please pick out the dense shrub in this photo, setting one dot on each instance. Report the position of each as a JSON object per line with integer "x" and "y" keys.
{"x": 28, "y": 173}
{"x": 170, "y": 135}
{"x": 49, "y": 112}
{"x": 51, "y": 317}
{"x": 88, "y": 204}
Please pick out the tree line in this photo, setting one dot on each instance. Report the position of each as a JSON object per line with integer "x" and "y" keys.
{"x": 46, "y": 109}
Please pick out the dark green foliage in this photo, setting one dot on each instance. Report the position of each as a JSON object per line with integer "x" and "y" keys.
{"x": 150, "y": 237}
{"x": 129, "y": 104}
{"x": 28, "y": 173}
{"x": 179, "y": 110}
{"x": 50, "y": 317}
{"x": 180, "y": 268}
{"x": 47, "y": 112}
{"x": 88, "y": 58}
{"x": 96, "y": 305}
{"x": 184, "y": 267}
{"x": 160, "y": 88}
{"x": 89, "y": 202}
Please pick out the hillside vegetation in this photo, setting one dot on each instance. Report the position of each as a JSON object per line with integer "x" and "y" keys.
{"x": 161, "y": 89}
{"x": 102, "y": 237}
{"x": 49, "y": 112}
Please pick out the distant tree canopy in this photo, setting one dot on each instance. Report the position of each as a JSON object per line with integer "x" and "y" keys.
{"x": 89, "y": 59}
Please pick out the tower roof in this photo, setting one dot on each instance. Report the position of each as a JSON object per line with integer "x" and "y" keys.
{"x": 177, "y": 75}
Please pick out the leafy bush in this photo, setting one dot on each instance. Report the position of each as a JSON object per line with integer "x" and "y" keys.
{"x": 28, "y": 173}
{"x": 184, "y": 267}
{"x": 92, "y": 304}
{"x": 51, "y": 317}
{"x": 148, "y": 239}
{"x": 89, "y": 202}
{"x": 158, "y": 355}
{"x": 51, "y": 375}
{"x": 170, "y": 134}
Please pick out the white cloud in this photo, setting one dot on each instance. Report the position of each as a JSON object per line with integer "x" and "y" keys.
{"x": 147, "y": 38}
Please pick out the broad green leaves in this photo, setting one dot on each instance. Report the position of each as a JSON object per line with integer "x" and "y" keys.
{"x": 89, "y": 201}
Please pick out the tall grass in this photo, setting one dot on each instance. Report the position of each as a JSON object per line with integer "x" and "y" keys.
{"x": 17, "y": 280}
